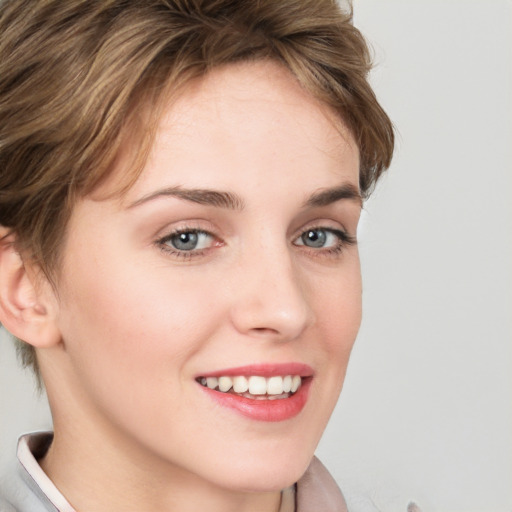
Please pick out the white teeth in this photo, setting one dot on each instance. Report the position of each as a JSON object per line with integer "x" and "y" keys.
{"x": 212, "y": 382}
{"x": 295, "y": 383}
{"x": 287, "y": 384}
{"x": 257, "y": 385}
{"x": 240, "y": 384}
{"x": 275, "y": 386}
{"x": 225, "y": 384}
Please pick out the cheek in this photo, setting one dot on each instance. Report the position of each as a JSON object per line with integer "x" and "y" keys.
{"x": 129, "y": 305}
{"x": 132, "y": 336}
{"x": 336, "y": 301}
{"x": 338, "y": 314}
{"x": 129, "y": 349}
{"x": 339, "y": 309}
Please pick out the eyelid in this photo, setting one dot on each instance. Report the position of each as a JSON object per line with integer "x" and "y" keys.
{"x": 332, "y": 226}
{"x": 186, "y": 231}
{"x": 184, "y": 224}
{"x": 344, "y": 239}
{"x": 162, "y": 240}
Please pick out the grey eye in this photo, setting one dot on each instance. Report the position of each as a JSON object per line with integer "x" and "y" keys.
{"x": 190, "y": 240}
{"x": 184, "y": 241}
{"x": 314, "y": 238}
{"x": 321, "y": 238}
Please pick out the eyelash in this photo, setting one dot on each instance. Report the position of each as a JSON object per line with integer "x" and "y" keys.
{"x": 183, "y": 254}
{"x": 344, "y": 240}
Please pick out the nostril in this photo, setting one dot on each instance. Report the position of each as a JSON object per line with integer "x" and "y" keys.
{"x": 264, "y": 330}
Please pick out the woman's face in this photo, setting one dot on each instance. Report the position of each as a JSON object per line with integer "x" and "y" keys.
{"x": 231, "y": 256}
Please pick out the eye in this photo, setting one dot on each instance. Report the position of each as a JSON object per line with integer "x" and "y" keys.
{"x": 188, "y": 240}
{"x": 324, "y": 238}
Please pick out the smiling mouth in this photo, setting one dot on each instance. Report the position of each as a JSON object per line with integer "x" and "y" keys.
{"x": 254, "y": 387}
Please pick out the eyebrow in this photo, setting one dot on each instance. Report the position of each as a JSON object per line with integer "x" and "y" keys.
{"x": 207, "y": 197}
{"x": 332, "y": 195}
{"x": 232, "y": 201}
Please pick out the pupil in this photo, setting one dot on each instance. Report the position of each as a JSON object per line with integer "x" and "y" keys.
{"x": 314, "y": 238}
{"x": 185, "y": 241}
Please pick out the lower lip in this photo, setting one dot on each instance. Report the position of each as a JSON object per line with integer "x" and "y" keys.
{"x": 263, "y": 410}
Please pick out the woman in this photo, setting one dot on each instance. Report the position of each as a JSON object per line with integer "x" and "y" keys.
{"x": 181, "y": 183}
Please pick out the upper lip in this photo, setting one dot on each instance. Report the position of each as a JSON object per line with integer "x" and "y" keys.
{"x": 263, "y": 370}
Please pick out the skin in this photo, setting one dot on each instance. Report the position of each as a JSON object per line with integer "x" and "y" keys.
{"x": 135, "y": 322}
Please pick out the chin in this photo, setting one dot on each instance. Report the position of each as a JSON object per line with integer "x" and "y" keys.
{"x": 267, "y": 474}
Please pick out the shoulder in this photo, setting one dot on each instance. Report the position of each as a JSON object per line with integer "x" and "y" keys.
{"x": 10, "y": 490}
{"x": 19, "y": 489}
{"x": 317, "y": 490}
{"x": 15, "y": 494}
{"x": 5, "y": 506}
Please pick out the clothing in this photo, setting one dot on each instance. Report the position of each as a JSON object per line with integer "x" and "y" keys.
{"x": 26, "y": 488}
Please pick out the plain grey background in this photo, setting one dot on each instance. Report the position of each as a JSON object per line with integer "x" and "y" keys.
{"x": 426, "y": 412}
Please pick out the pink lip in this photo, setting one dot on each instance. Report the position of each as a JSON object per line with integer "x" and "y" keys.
{"x": 264, "y": 410}
{"x": 264, "y": 370}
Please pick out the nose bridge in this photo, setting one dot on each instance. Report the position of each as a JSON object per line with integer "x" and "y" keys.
{"x": 272, "y": 297}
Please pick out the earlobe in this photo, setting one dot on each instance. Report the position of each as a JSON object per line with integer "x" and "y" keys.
{"x": 27, "y": 311}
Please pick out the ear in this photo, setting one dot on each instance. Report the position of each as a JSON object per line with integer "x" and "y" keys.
{"x": 28, "y": 306}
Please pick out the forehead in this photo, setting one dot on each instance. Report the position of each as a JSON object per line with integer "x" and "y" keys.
{"x": 241, "y": 116}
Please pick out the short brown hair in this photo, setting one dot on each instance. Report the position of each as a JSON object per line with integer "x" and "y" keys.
{"x": 74, "y": 74}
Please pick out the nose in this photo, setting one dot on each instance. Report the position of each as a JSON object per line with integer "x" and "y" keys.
{"x": 271, "y": 298}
